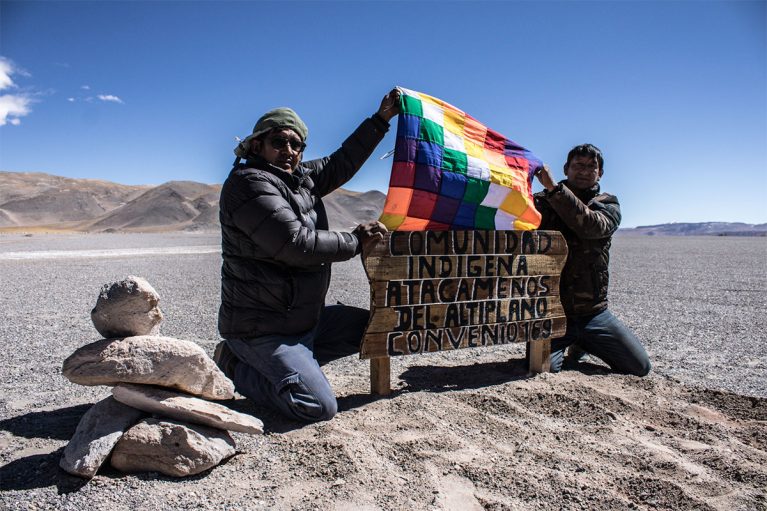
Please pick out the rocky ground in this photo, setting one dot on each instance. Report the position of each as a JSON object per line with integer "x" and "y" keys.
{"x": 463, "y": 430}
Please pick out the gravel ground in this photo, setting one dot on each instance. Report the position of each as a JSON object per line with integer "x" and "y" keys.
{"x": 698, "y": 304}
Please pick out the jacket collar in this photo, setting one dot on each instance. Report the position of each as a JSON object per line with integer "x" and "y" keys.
{"x": 584, "y": 195}
{"x": 293, "y": 180}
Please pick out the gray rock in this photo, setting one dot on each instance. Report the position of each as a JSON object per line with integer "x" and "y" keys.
{"x": 98, "y": 431}
{"x": 185, "y": 408}
{"x": 150, "y": 360}
{"x": 126, "y": 308}
{"x": 172, "y": 448}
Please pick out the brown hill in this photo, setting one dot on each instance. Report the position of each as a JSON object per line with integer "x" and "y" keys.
{"x": 43, "y": 202}
{"x": 171, "y": 206}
{"x": 36, "y": 199}
{"x": 346, "y": 209}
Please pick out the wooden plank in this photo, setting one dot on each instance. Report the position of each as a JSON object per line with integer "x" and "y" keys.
{"x": 407, "y": 243}
{"x": 448, "y": 315}
{"x": 380, "y": 376}
{"x": 427, "y": 291}
{"x": 386, "y": 268}
{"x": 390, "y": 344}
{"x": 539, "y": 355}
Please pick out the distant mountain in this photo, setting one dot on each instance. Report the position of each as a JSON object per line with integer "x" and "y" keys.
{"x": 698, "y": 229}
{"x": 40, "y": 199}
{"x": 42, "y": 202}
{"x": 346, "y": 209}
{"x": 175, "y": 205}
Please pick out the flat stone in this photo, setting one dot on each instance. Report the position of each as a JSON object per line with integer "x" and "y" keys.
{"x": 172, "y": 448}
{"x": 97, "y": 433}
{"x": 164, "y": 361}
{"x": 126, "y": 308}
{"x": 185, "y": 408}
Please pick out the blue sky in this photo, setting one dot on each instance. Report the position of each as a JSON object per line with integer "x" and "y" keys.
{"x": 675, "y": 93}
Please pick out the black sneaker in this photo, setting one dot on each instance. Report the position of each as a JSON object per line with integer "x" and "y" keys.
{"x": 575, "y": 355}
{"x": 225, "y": 359}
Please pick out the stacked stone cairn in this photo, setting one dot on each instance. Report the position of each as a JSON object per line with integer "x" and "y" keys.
{"x": 159, "y": 417}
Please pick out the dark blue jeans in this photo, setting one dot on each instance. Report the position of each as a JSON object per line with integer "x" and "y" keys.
{"x": 283, "y": 372}
{"x": 604, "y": 336}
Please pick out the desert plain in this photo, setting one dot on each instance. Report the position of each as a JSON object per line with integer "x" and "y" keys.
{"x": 462, "y": 430}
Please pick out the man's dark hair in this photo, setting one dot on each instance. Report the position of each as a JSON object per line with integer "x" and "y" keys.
{"x": 586, "y": 150}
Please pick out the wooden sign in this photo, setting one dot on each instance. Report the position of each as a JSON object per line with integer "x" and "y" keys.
{"x": 434, "y": 291}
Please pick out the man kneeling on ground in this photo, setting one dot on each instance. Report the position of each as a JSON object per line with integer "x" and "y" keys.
{"x": 277, "y": 251}
{"x": 587, "y": 219}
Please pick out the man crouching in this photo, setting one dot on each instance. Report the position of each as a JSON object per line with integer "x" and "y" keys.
{"x": 277, "y": 252}
{"x": 587, "y": 219}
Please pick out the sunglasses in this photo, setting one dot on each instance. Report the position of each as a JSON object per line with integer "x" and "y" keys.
{"x": 280, "y": 143}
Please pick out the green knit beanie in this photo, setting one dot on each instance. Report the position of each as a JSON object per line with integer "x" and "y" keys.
{"x": 281, "y": 118}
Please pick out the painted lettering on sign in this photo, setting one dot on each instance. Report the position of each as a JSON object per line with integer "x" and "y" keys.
{"x": 438, "y": 290}
{"x": 448, "y": 290}
{"x": 469, "y": 313}
{"x": 402, "y": 243}
{"x": 472, "y": 336}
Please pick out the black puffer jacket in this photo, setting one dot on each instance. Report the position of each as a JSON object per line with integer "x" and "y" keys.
{"x": 276, "y": 247}
{"x": 587, "y": 220}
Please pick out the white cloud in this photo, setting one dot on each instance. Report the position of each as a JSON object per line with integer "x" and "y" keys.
{"x": 109, "y": 97}
{"x": 12, "y": 107}
{"x": 6, "y": 70}
{"x": 71, "y": 100}
{"x": 85, "y": 87}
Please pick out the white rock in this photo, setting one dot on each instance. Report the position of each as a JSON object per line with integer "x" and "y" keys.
{"x": 98, "y": 431}
{"x": 150, "y": 360}
{"x": 126, "y": 308}
{"x": 172, "y": 448}
{"x": 185, "y": 408}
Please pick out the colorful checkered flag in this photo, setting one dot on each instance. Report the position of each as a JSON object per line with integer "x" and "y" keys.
{"x": 451, "y": 172}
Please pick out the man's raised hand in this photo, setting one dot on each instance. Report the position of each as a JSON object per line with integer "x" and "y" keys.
{"x": 546, "y": 179}
{"x": 389, "y": 105}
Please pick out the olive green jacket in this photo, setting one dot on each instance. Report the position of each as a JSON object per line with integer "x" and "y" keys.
{"x": 587, "y": 220}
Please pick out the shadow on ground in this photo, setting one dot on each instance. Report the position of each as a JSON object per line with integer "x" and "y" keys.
{"x": 42, "y": 470}
{"x": 434, "y": 378}
{"x": 274, "y": 422}
{"x": 57, "y": 424}
{"x": 38, "y": 471}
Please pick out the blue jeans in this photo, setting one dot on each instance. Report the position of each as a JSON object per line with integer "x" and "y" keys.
{"x": 606, "y": 337}
{"x": 283, "y": 372}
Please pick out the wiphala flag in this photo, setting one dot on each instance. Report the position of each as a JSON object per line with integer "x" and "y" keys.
{"x": 452, "y": 172}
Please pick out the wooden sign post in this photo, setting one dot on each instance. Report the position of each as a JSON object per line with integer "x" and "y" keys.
{"x": 445, "y": 290}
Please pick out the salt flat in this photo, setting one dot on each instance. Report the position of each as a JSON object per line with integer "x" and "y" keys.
{"x": 458, "y": 423}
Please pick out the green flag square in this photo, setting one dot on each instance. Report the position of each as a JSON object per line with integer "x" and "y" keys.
{"x": 411, "y": 105}
{"x": 432, "y": 132}
{"x": 454, "y": 161}
{"x": 485, "y": 218}
{"x": 476, "y": 189}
